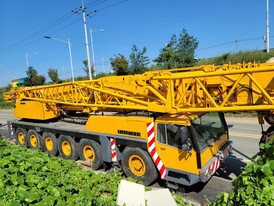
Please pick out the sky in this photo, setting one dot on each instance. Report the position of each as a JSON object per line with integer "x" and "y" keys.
{"x": 220, "y": 26}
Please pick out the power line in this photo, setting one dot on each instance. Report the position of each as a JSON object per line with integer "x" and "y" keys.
{"x": 112, "y": 5}
{"x": 230, "y": 42}
{"x": 25, "y": 41}
{"x": 95, "y": 3}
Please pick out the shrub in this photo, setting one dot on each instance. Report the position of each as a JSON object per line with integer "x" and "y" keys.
{"x": 255, "y": 186}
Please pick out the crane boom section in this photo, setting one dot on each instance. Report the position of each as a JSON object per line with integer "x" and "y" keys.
{"x": 207, "y": 88}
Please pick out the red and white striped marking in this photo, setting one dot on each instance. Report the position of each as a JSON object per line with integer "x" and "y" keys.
{"x": 11, "y": 129}
{"x": 152, "y": 150}
{"x": 213, "y": 167}
{"x": 113, "y": 150}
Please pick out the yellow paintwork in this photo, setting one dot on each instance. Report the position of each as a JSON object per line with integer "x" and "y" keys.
{"x": 178, "y": 159}
{"x": 49, "y": 144}
{"x": 129, "y": 125}
{"x": 206, "y": 88}
{"x": 180, "y": 118}
{"x": 176, "y": 93}
{"x": 213, "y": 149}
{"x": 21, "y": 138}
{"x": 33, "y": 140}
{"x": 35, "y": 110}
{"x": 89, "y": 153}
{"x": 174, "y": 157}
{"x": 66, "y": 148}
{"x": 137, "y": 165}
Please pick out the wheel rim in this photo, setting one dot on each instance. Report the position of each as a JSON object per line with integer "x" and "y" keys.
{"x": 21, "y": 138}
{"x": 89, "y": 153}
{"x": 66, "y": 148}
{"x": 137, "y": 165}
{"x": 33, "y": 140}
{"x": 49, "y": 143}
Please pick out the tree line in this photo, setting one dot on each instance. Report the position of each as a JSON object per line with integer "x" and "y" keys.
{"x": 178, "y": 52}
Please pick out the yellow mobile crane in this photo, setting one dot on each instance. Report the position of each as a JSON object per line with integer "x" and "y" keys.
{"x": 166, "y": 124}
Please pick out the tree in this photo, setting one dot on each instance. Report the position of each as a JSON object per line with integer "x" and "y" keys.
{"x": 185, "y": 49}
{"x": 85, "y": 62}
{"x": 53, "y": 75}
{"x": 138, "y": 60}
{"x": 167, "y": 56}
{"x": 33, "y": 79}
{"x": 119, "y": 65}
{"x": 178, "y": 53}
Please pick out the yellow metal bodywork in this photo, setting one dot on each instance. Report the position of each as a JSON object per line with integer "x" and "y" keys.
{"x": 207, "y": 88}
{"x": 212, "y": 150}
{"x": 128, "y": 126}
{"x": 89, "y": 153}
{"x": 35, "y": 110}
{"x": 178, "y": 159}
{"x": 136, "y": 127}
{"x": 49, "y": 143}
{"x": 137, "y": 165}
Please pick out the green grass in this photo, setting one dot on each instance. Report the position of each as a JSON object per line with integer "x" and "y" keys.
{"x": 3, "y": 103}
{"x": 243, "y": 56}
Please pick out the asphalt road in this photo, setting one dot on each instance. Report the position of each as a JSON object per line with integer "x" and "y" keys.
{"x": 245, "y": 134}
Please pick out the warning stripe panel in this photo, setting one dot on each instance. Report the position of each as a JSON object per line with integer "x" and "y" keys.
{"x": 213, "y": 167}
{"x": 152, "y": 150}
{"x": 113, "y": 150}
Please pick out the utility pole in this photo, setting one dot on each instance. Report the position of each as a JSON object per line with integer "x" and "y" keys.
{"x": 83, "y": 10}
{"x": 27, "y": 59}
{"x": 92, "y": 47}
{"x": 70, "y": 55}
{"x": 267, "y": 28}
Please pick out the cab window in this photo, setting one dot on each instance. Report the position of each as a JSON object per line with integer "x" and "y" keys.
{"x": 171, "y": 134}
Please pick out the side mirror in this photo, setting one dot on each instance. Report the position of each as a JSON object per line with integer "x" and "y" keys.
{"x": 184, "y": 134}
{"x": 187, "y": 147}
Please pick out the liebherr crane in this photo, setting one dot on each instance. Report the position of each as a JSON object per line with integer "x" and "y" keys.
{"x": 167, "y": 123}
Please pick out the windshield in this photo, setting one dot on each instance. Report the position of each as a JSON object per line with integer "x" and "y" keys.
{"x": 207, "y": 129}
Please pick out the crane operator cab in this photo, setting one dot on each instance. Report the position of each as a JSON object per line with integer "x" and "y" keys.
{"x": 192, "y": 146}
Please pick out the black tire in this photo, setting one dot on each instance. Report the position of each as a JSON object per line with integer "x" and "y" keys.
{"x": 268, "y": 136}
{"x": 67, "y": 147}
{"x": 269, "y": 118}
{"x": 138, "y": 164}
{"x": 49, "y": 144}
{"x": 21, "y": 136}
{"x": 34, "y": 139}
{"x": 90, "y": 150}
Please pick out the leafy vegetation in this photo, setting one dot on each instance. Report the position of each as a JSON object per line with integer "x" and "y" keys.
{"x": 53, "y": 75}
{"x": 33, "y": 78}
{"x": 120, "y": 65}
{"x": 138, "y": 60}
{"x": 255, "y": 185}
{"x": 3, "y": 103}
{"x": 178, "y": 52}
{"x": 29, "y": 177}
{"x": 243, "y": 56}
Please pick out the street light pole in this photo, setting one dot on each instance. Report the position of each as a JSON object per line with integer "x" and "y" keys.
{"x": 70, "y": 58}
{"x": 27, "y": 58}
{"x": 267, "y": 27}
{"x": 70, "y": 55}
{"x": 92, "y": 47}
